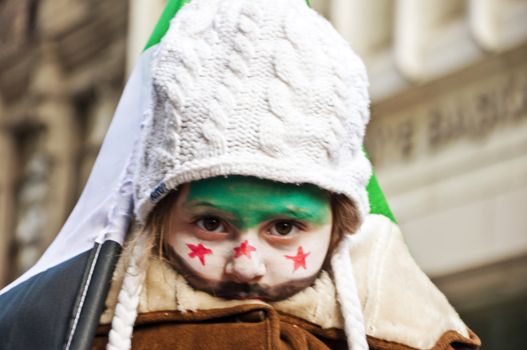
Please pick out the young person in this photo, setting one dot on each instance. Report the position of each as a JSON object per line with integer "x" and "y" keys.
{"x": 251, "y": 199}
{"x": 246, "y": 183}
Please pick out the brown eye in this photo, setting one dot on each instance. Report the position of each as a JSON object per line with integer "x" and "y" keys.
{"x": 211, "y": 224}
{"x": 282, "y": 228}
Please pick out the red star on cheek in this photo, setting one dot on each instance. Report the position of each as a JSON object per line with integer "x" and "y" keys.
{"x": 198, "y": 251}
{"x": 244, "y": 249}
{"x": 299, "y": 259}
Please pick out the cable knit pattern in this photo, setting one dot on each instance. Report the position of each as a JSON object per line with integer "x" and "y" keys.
{"x": 263, "y": 88}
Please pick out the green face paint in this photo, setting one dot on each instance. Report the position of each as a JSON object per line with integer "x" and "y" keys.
{"x": 250, "y": 201}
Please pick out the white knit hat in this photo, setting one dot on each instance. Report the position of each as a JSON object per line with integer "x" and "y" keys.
{"x": 264, "y": 88}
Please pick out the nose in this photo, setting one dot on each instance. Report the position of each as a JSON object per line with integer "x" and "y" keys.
{"x": 246, "y": 264}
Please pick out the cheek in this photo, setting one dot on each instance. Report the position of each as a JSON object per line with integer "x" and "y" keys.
{"x": 302, "y": 259}
{"x": 207, "y": 259}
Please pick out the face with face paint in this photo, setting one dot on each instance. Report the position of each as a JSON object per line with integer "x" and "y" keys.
{"x": 243, "y": 237}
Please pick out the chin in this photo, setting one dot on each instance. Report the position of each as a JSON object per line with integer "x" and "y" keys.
{"x": 248, "y": 297}
{"x": 251, "y": 291}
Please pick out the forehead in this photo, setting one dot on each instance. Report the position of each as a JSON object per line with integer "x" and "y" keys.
{"x": 243, "y": 194}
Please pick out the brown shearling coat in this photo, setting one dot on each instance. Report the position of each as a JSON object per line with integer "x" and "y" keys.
{"x": 249, "y": 327}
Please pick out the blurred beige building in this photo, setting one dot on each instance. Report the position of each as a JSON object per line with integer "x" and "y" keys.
{"x": 448, "y": 138}
{"x": 448, "y": 134}
{"x": 61, "y": 74}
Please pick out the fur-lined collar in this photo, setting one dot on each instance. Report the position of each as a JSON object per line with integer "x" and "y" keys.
{"x": 165, "y": 289}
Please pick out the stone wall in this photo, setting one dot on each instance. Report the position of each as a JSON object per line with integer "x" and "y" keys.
{"x": 62, "y": 68}
{"x": 448, "y": 139}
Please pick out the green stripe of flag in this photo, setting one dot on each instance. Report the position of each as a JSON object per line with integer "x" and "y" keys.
{"x": 171, "y": 8}
{"x": 378, "y": 202}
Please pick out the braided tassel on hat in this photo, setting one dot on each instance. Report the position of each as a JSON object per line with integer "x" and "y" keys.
{"x": 348, "y": 296}
{"x": 120, "y": 335}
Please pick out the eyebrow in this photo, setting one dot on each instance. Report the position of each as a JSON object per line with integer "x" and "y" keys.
{"x": 203, "y": 207}
{"x": 299, "y": 214}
